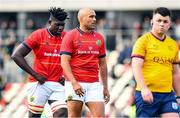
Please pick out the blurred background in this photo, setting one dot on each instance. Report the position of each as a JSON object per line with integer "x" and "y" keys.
{"x": 121, "y": 22}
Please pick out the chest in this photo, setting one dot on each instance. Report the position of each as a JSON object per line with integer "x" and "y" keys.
{"x": 50, "y": 47}
{"x": 163, "y": 49}
{"x": 87, "y": 45}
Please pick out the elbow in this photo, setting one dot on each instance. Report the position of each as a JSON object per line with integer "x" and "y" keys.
{"x": 14, "y": 56}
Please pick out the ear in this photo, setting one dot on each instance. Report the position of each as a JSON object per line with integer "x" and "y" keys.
{"x": 151, "y": 23}
{"x": 49, "y": 21}
{"x": 170, "y": 24}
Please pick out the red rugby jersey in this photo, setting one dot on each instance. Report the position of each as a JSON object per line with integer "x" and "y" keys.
{"x": 85, "y": 50}
{"x": 46, "y": 48}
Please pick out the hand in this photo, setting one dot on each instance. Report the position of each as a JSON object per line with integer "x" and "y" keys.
{"x": 178, "y": 101}
{"x": 78, "y": 89}
{"x": 147, "y": 95}
{"x": 106, "y": 95}
{"x": 40, "y": 78}
{"x": 62, "y": 81}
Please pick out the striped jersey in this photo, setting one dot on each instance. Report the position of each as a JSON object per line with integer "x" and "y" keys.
{"x": 46, "y": 48}
{"x": 159, "y": 56}
{"x": 85, "y": 50}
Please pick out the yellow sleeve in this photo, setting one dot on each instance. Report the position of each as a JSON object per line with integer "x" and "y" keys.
{"x": 139, "y": 48}
{"x": 176, "y": 60}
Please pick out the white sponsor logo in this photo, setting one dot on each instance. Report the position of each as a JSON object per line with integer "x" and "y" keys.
{"x": 51, "y": 54}
{"x": 87, "y": 52}
{"x": 174, "y": 105}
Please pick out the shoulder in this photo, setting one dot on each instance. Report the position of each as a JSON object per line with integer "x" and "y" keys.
{"x": 63, "y": 33}
{"x": 97, "y": 34}
{"x": 145, "y": 37}
{"x": 39, "y": 31}
{"x": 72, "y": 34}
{"x": 73, "y": 31}
{"x": 171, "y": 39}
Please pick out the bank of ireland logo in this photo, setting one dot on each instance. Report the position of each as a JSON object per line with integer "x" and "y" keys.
{"x": 98, "y": 42}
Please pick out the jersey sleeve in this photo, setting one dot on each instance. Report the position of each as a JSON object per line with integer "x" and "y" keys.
{"x": 32, "y": 40}
{"x": 176, "y": 60}
{"x": 102, "y": 49}
{"x": 139, "y": 48}
{"x": 67, "y": 44}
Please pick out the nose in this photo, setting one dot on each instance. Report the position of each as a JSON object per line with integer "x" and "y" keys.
{"x": 162, "y": 23}
{"x": 94, "y": 18}
{"x": 60, "y": 27}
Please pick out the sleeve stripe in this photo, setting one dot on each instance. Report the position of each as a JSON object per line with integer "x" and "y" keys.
{"x": 25, "y": 45}
{"x": 175, "y": 63}
{"x": 102, "y": 56}
{"x": 137, "y": 56}
{"x": 66, "y": 53}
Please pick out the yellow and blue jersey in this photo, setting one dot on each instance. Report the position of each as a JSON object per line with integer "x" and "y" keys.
{"x": 159, "y": 56}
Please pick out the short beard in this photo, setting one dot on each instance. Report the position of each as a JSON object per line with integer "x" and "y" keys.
{"x": 90, "y": 28}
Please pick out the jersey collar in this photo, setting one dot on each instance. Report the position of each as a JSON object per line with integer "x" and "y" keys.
{"x": 82, "y": 32}
{"x": 51, "y": 33}
{"x": 158, "y": 37}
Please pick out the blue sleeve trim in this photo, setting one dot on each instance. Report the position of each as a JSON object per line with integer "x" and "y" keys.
{"x": 66, "y": 53}
{"x": 25, "y": 45}
{"x": 102, "y": 56}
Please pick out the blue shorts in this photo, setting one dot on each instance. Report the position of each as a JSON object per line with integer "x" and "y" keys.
{"x": 162, "y": 103}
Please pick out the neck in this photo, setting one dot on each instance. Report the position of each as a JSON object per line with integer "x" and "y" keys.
{"x": 52, "y": 33}
{"x": 85, "y": 30}
{"x": 158, "y": 35}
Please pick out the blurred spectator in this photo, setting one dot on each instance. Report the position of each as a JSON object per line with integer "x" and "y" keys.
{"x": 124, "y": 30}
{"x": 177, "y": 29}
{"x": 12, "y": 25}
{"x": 137, "y": 30}
{"x": 8, "y": 37}
{"x": 146, "y": 24}
{"x": 125, "y": 54}
{"x": 111, "y": 36}
{"x": 30, "y": 26}
{"x": 101, "y": 26}
{"x": 3, "y": 28}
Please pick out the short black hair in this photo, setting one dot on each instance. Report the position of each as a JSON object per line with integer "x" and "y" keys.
{"x": 58, "y": 13}
{"x": 163, "y": 11}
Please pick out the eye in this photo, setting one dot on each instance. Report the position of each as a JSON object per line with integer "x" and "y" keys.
{"x": 60, "y": 24}
{"x": 159, "y": 20}
{"x": 165, "y": 21}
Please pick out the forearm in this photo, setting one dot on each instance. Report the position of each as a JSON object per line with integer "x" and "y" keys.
{"x": 67, "y": 70}
{"x": 176, "y": 87}
{"x": 139, "y": 78}
{"x": 137, "y": 72}
{"x": 176, "y": 79}
{"x": 103, "y": 72}
{"x": 176, "y": 83}
{"x": 21, "y": 62}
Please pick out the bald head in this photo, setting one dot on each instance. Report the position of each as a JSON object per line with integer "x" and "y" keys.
{"x": 84, "y": 12}
{"x": 87, "y": 19}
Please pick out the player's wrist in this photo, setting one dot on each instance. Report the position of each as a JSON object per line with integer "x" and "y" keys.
{"x": 177, "y": 97}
